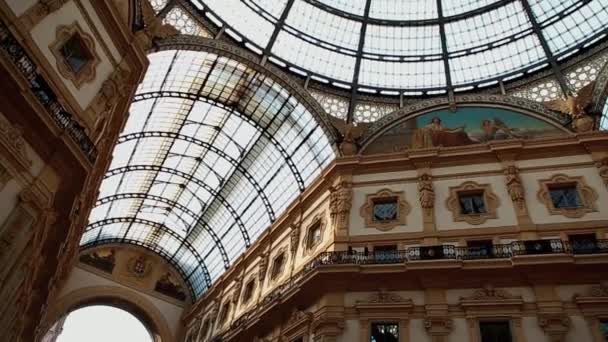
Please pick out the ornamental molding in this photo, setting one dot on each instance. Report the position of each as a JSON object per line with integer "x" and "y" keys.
{"x": 11, "y": 139}
{"x": 527, "y": 107}
{"x": 89, "y": 71}
{"x": 490, "y": 199}
{"x": 226, "y": 49}
{"x": 367, "y": 210}
{"x": 588, "y": 196}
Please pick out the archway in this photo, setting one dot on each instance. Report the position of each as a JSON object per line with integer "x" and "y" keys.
{"x": 83, "y": 324}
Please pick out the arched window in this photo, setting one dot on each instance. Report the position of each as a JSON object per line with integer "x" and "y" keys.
{"x": 99, "y": 323}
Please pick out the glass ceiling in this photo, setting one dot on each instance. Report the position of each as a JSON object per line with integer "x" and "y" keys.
{"x": 411, "y": 46}
{"x": 213, "y": 151}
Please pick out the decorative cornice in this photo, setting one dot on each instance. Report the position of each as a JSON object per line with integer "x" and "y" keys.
{"x": 36, "y": 13}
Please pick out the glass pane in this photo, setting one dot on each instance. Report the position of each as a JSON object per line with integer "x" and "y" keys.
{"x": 386, "y": 210}
{"x": 384, "y": 332}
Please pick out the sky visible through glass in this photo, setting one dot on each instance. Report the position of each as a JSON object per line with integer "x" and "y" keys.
{"x": 103, "y": 324}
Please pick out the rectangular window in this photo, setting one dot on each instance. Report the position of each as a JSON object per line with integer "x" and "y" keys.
{"x": 472, "y": 203}
{"x": 480, "y": 249}
{"x": 384, "y": 332}
{"x": 495, "y": 331}
{"x": 583, "y": 243}
{"x": 75, "y": 53}
{"x": 565, "y": 196}
{"x": 385, "y": 209}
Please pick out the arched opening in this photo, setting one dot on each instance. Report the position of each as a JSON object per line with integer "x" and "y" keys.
{"x": 100, "y": 323}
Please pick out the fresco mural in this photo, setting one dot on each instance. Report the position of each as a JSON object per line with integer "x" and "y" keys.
{"x": 466, "y": 126}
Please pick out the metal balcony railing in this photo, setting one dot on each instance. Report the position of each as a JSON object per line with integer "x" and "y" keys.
{"x": 422, "y": 253}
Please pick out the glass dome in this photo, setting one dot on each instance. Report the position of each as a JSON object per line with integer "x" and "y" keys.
{"x": 411, "y": 46}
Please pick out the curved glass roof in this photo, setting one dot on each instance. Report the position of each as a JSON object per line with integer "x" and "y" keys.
{"x": 213, "y": 151}
{"x": 411, "y": 46}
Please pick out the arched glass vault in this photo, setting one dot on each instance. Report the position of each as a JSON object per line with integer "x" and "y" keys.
{"x": 213, "y": 151}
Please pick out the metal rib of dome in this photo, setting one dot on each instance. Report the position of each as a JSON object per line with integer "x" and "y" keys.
{"x": 413, "y": 46}
{"x": 213, "y": 151}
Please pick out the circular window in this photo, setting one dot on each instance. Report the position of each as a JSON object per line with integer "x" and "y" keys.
{"x": 99, "y": 323}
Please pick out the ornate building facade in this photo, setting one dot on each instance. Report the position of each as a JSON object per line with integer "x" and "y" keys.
{"x": 306, "y": 170}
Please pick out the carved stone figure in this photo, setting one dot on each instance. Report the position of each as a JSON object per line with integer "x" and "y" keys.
{"x": 426, "y": 193}
{"x": 350, "y": 134}
{"x": 340, "y": 202}
{"x": 602, "y": 167}
{"x": 575, "y": 107}
{"x": 154, "y": 28}
{"x": 263, "y": 266}
{"x": 515, "y": 187}
{"x": 238, "y": 285}
{"x": 294, "y": 237}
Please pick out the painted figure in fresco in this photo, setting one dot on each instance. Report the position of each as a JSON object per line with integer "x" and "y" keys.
{"x": 496, "y": 129}
{"x": 435, "y": 134}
